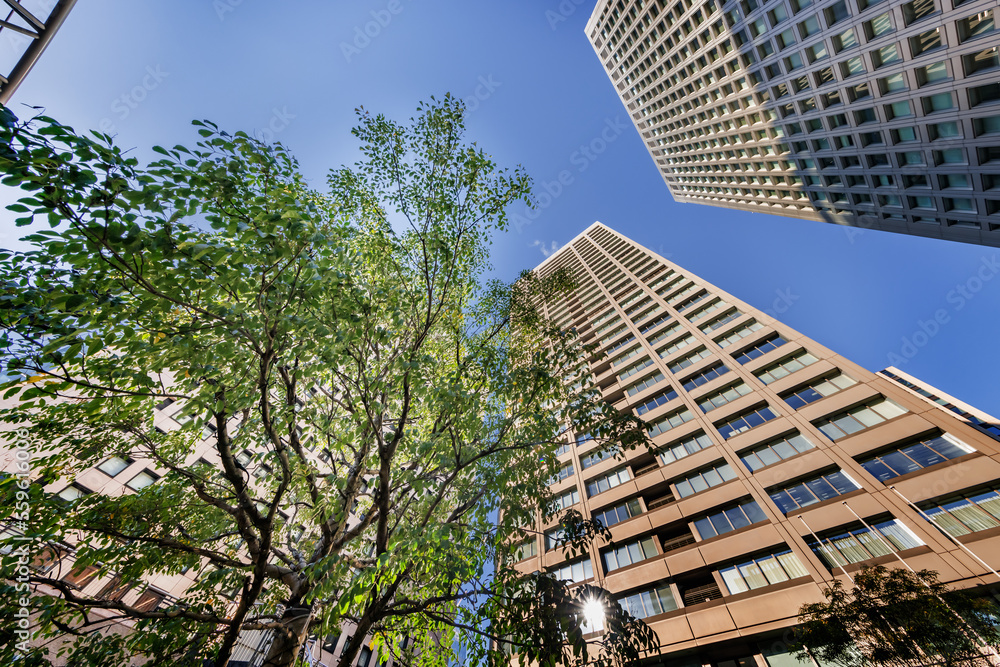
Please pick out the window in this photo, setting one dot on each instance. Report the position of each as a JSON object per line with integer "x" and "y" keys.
{"x": 114, "y": 465}
{"x": 690, "y": 359}
{"x": 670, "y": 421}
{"x": 644, "y": 384}
{"x": 892, "y": 84}
{"x": 837, "y": 13}
{"x": 955, "y": 181}
{"x": 841, "y": 548}
{"x": 852, "y": 66}
{"x": 745, "y": 422}
{"x": 982, "y": 61}
{"x": 81, "y": 575}
{"x": 644, "y": 604}
{"x": 704, "y": 479}
{"x": 676, "y": 345}
{"x": 900, "y": 110}
{"x": 762, "y": 571}
{"x": 987, "y": 125}
{"x": 758, "y": 349}
{"x": 706, "y": 310}
{"x": 632, "y": 370}
{"x": 563, "y": 473}
{"x": 965, "y": 513}
{"x": 775, "y": 450}
{"x": 844, "y": 40}
{"x": 950, "y": 156}
{"x": 73, "y": 492}
{"x": 932, "y": 73}
{"x": 705, "y": 376}
{"x": 814, "y": 490}
{"x": 720, "y": 321}
{"x": 619, "y": 513}
{"x": 723, "y": 396}
{"x": 868, "y": 115}
{"x": 568, "y": 499}
{"x": 915, "y": 456}
{"x": 809, "y": 27}
{"x": 678, "y": 450}
{"x": 859, "y": 418}
{"x": 574, "y": 572}
{"x": 926, "y": 41}
{"x": 728, "y": 520}
{"x": 164, "y": 404}
{"x": 879, "y": 26}
{"x": 149, "y": 600}
{"x": 987, "y": 94}
{"x": 593, "y": 458}
{"x": 608, "y": 481}
{"x": 526, "y": 549}
{"x": 910, "y": 158}
{"x": 738, "y": 334}
{"x": 918, "y": 10}
{"x": 629, "y": 553}
{"x": 939, "y": 102}
{"x": 818, "y": 389}
{"x": 975, "y": 25}
{"x": 885, "y": 56}
{"x": 656, "y": 401}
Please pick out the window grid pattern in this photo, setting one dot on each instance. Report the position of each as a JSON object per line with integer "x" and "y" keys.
{"x": 762, "y": 571}
{"x": 916, "y": 456}
{"x": 775, "y": 451}
{"x": 812, "y": 491}
{"x": 776, "y": 107}
{"x": 859, "y": 418}
{"x": 704, "y": 479}
{"x": 841, "y": 548}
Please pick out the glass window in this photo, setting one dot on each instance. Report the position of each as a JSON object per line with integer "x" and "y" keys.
{"x": 141, "y": 481}
{"x": 915, "y": 456}
{"x": 678, "y": 450}
{"x": 814, "y": 490}
{"x": 839, "y": 548}
{"x": 775, "y": 451}
{"x": 926, "y": 41}
{"x": 762, "y": 571}
{"x": 704, "y": 479}
{"x": 859, "y": 418}
{"x": 629, "y": 553}
{"x": 619, "y": 513}
{"x": 745, "y": 422}
{"x": 733, "y": 518}
{"x": 114, "y": 465}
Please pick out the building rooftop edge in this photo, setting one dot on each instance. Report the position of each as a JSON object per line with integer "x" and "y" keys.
{"x": 566, "y": 246}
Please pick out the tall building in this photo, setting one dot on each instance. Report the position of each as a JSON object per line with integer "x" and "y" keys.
{"x": 878, "y": 114}
{"x": 779, "y": 465}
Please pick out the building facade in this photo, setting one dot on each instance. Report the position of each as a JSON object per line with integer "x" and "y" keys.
{"x": 778, "y": 464}
{"x": 116, "y": 476}
{"x": 880, "y": 114}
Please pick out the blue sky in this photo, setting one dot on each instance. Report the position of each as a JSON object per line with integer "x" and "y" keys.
{"x": 537, "y": 96}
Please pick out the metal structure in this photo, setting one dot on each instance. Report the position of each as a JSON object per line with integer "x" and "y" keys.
{"x": 40, "y": 32}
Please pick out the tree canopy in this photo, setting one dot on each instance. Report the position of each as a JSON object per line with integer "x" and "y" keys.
{"x": 898, "y": 618}
{"x": 358, "y": 401}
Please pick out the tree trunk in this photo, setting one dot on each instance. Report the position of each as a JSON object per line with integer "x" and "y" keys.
{"x": 286, "y": 646}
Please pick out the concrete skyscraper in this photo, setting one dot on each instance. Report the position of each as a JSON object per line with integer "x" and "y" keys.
{"x": 879, "y": 114}
{"x": 779, "y": 465}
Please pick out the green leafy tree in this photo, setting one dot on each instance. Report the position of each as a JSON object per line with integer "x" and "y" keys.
{"x": 368, "y": 401}
{"x": 898, "y": 618}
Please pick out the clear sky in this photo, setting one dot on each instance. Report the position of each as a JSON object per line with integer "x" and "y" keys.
{"x": 537, "y": 95}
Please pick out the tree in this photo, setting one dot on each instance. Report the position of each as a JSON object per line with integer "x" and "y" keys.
{"x": 898, "y": 618}
{"x": 368, "y": 399}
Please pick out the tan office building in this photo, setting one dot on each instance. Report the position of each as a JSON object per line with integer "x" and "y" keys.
{"x": 779, "y": 465}
{"x": 879, "y": 114}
